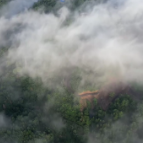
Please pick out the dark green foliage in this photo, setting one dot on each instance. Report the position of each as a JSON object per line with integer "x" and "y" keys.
{"x": 37, "y": 113}
{"x": 47, "y": 4}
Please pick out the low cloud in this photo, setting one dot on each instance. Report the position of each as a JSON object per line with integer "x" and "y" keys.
{"x": 106, "y": 41}
{"x": 15, "y": 7}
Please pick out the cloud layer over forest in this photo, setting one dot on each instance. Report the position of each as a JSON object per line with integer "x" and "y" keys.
{"x": 105, "y": 42}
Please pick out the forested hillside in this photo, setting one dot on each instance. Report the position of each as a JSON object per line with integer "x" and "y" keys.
{"x": 45, "y": 72}
{"x": 50, "y": 5}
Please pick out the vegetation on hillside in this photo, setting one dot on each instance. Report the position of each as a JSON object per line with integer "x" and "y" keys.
{"x": 48, "y": 5}
{"x": 33, "y": 113}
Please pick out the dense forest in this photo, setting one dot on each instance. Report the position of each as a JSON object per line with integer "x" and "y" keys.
{"x": 32, "y": 112}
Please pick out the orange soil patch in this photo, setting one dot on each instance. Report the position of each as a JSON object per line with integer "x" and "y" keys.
{"x": 105, "y": 95}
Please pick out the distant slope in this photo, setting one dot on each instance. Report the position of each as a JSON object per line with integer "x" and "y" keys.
{"x": 2, "y": 2}
{"x": 14, "y": 7}
{"x": 46, "y": 4}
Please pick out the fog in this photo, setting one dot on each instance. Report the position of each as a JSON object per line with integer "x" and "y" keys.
{"x": 107, "y": 41}
{"x": 15, "y": 7}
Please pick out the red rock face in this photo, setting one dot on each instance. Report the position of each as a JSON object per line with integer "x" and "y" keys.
{"x": 105, "y": 95}
{"x": 87, "y": 96}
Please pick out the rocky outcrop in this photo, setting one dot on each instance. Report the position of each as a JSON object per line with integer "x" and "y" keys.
{"x": 105, "y": 95}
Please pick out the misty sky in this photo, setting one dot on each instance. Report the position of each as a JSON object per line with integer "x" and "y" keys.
{"x": 107, "y": 40}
